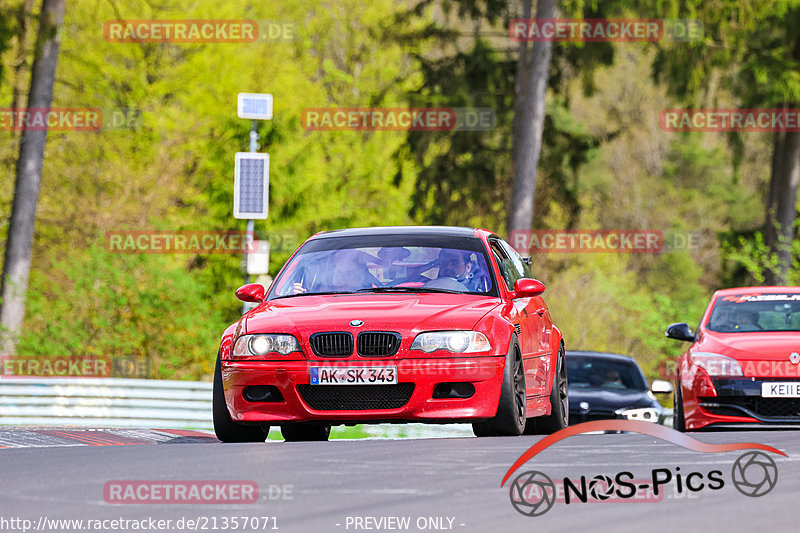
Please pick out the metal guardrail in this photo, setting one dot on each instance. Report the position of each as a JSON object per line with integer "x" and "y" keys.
{"x": 106, "y": 402}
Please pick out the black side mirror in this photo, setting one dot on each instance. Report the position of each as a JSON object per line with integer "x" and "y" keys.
{"x": 680, "y": 331}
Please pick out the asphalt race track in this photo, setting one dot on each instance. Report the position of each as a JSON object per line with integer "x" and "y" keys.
{"x": 449, "y": 484}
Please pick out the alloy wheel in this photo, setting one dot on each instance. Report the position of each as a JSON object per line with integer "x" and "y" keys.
{"x": 563, "y": 394}
{"x": 519, "y": 388}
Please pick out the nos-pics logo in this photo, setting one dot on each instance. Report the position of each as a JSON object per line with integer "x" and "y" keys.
{"x": 533, "y": 493}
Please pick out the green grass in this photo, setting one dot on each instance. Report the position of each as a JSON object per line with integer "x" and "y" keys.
{"x": 337, "y": 432}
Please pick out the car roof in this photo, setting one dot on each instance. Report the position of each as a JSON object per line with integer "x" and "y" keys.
{"x": 449, "y": 231}
{"x": 756, "y": 290}
{"x": 601, "y": 355}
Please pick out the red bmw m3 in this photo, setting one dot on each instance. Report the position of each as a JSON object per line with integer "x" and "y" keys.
{"x": 393, "y": 324}
{"x": 743, "y": 367}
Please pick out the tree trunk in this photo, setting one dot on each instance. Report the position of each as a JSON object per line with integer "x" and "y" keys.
{"x": 21, "y": 62}
{"x": 17, "y": 264}
{"x": 527, "y": 153}
{"x": 781, "y": 210}
{"x": 520, "y": 84}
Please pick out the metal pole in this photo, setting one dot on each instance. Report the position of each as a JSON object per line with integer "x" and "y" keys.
{"x": 250, "y": 234}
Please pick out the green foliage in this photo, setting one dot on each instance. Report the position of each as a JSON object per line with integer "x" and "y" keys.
{"x": 755, "y": 43}
{"x": 91, "y": 302}
{"x": 750, "y": 254}
{"x": 463, "y": 176}
{"x": 6, "y": 33}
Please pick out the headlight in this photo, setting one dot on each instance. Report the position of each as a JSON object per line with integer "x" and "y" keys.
{"x": 645, "y": 414}
{"x": 716, "y": 364}
{"x": 247, "y": 345}
{"x": 452, "y": 341}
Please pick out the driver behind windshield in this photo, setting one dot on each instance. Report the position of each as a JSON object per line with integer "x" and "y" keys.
{"x": 743, "y": 320}
{"x": 453, "y": 264}
{"x": 456, "y": 264}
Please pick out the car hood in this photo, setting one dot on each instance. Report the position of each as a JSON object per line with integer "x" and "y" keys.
{"x": 755, "y": 346}
{"x": 608, "y": 400}
{"x": 404, "y": 313}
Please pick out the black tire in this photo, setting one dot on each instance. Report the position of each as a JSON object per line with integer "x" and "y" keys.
{"x": 678, "y": 420}
{"x": 305, "y": 431}
{"x": 558, "y": 418}
{"x": 511, "y": 411}
{"x": 226, "y": 429}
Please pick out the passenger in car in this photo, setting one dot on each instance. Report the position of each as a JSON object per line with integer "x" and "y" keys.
{"x": 348, "y": 272}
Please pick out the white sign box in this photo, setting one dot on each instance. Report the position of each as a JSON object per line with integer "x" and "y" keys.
{"x": 258, "y": 258}
{"x": 255, "y": 106}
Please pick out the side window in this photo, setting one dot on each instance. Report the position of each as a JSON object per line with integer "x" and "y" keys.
{"x": 519, "y": 264}
{"x": 506, "y": 265}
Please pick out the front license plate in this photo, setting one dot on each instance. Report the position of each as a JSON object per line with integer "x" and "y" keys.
{"x": 357, "y": 375}
{"x": 790, "y": 389}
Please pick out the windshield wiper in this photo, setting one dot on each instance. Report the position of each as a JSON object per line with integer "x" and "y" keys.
{"x": 373, "y": 289}
{"x": 408, "y": 289}
{"x": 313, "y": 294}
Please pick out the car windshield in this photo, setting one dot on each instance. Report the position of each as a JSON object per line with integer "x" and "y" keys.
{"x": 600, "y": 373}
{"x": 387, "y": 264}
{"x": 756, "y": 312}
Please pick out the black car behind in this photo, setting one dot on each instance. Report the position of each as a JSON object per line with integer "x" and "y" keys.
{"x": 608, "y": 385}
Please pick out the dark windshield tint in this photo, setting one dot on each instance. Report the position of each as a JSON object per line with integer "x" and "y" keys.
{"x": 756, "y": 312}
{"x": 600, "y": 373}
{"x": 351, "y": 264}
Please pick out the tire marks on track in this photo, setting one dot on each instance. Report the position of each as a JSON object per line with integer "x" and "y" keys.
{"x": 16, "y": 437}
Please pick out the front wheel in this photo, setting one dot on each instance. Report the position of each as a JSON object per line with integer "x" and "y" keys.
{"x": 512, "y": 410}
{"x": 225, "y": 428}
{"x": 559, "y": 402}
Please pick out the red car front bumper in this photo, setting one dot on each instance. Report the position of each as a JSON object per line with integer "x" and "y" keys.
{"x": 736, "y": 403}
{"x": 291, "y": 378}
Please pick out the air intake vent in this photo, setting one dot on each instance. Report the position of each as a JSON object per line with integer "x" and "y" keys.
{"x": 745, "y": 405}
{"x": 518, "y": 329}
{"x": 378, "y": 343}
{"x": 356, "y": 397}
{"x": 333, "y": 344}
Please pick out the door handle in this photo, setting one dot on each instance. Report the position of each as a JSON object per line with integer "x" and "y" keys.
{"x": 541, "y": 311}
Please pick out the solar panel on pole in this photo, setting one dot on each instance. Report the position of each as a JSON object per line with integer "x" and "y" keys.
{"x": 251, "y": 186}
